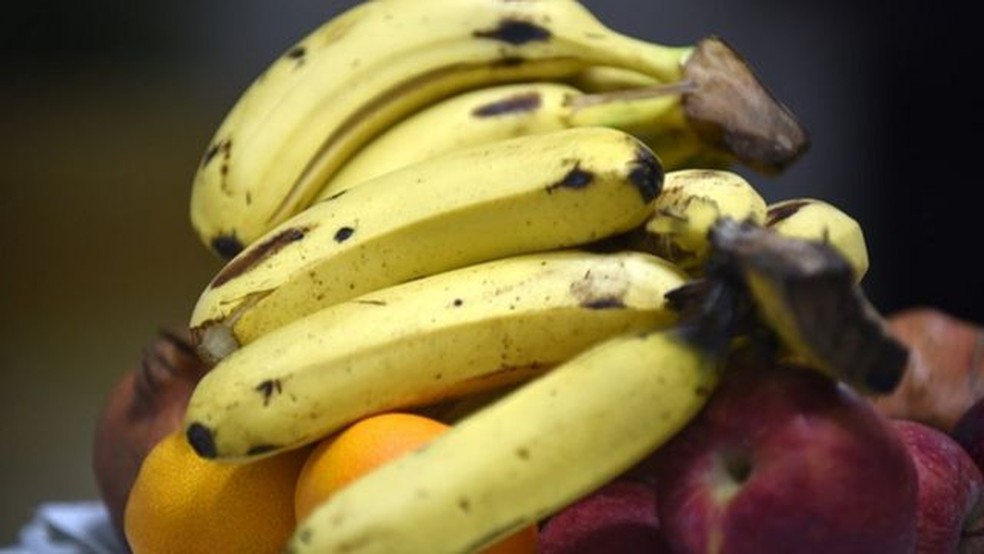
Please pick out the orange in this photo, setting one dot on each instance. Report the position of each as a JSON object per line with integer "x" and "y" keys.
{"x": 356, "y": 450}
{"x": 183, "y": 503}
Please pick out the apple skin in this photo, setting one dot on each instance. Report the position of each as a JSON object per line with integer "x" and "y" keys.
{"x": 945, "y": 374}
{"x": 784, "y": 459}
{"x": 145, "y": 404}
{"x": 951, "y": 490}
{"x": 618, "y": 517}
{"x": 969, "y": 433}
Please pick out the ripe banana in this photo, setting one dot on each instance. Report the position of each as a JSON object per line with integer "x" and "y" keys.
{"x": 653, "y": 114}
{"x": 368, "y": 68}
{"x": 814, "y": 219}
{"x": 805, "y": 292}
{"x": 526, "y": 194}
{"x": 525, "y": 456}
{"x": 414, "y": 344}
{"x": 609, "y": 79}
{"x": 691, "y": 202}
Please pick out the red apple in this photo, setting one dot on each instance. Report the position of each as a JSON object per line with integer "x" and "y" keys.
{"x": 784, "y": 459}
{"x": 945, "y": 374}
{"x": 145, "y": 404}
{"x": 951, "y": 491}
{"x": 969, "y": 433}
{"x": 618, "y": 517}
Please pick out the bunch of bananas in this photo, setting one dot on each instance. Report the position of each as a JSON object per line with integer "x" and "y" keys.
{"x": 426, "y": 200}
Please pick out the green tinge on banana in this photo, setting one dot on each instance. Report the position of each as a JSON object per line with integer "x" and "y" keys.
{"x": 691, "y": 202}
{"x": 524, "y": 457}
{"x": 527, "y": 194}
{"x": 814, "y": 219}
{"x": 370, "y": 67}
{"x": 414, "y": 344}
{"x": 499, "y": 112}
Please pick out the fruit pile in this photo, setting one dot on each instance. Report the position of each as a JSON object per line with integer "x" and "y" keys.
{"x": 493, "y": 284}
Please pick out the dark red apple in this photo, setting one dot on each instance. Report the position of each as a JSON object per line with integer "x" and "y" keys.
{"x": 147, "y": 403}
{"x": 968, "y": 431}
{"x": 784, "y": 459}
{"x": 618, "y": 517}
{"x": 951, "y": 491}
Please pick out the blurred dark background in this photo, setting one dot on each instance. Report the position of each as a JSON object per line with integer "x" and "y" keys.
{"x": 107, "y": 107}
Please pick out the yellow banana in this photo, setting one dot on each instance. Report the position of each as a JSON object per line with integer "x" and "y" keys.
{"x": 434, "y": 338}
{"x": 525, "y": 456}
{"x": 814, "y": 219}
{"x": 526, "y": 194}
{"x": 609, "y": 79}
{"x": 483, "y": 116}
{"x": 371, "y": 66}
{"x": 383, "y": 60}
{"x": 691, "y": 202}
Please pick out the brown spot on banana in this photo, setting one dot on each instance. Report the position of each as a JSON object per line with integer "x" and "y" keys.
{"x": 515, "y": 32}
{"x": 268, "y": 389}
{"x": 600, "y": 290}
{"x": 297, "y": 54}
{"x": 646, "y": 173}
{"x": 517, "y": 103}
{"x": 257, "y": 254}
{"x": 779, "y": 212}
{"x": 576, "y": 178}
{"x": 259, "y": 449}
{"x": 343, "y": 234}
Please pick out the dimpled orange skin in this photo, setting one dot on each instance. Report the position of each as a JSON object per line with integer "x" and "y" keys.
{"x": 183, "y": 503}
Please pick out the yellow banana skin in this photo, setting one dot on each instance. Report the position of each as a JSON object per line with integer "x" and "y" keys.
{"x": 531, "y": 193}
{"x": 428, "y": 340}
{"x": 654, "y": 114}
{"x": 525, "y": 456}
{"x": 815, "y": 219}
{"x": 368, "y": 68}
{"x": 691, "y": 202}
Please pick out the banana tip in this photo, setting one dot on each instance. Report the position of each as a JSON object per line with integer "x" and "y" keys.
{"x": 226, "y": 246}
{"x": 202, "y": 440}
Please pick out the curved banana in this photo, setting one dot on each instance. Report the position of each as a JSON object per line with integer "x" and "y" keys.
{"x": 691, "y": 202}
{"x": 370, "y": 67}
{"x": 814, "y": 219}
{"x": 526, "y": 194}
{"x": 609, "y": 79}
{"x": 414, "y": 344}
{"x": 524, "y": 457}
{"x": 483, "y": 116}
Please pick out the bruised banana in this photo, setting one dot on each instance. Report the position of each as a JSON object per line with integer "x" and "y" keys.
{"x": 805, "y": 291}
{"x": 814, "y": 219}
{"x": 432, "y": 339}
{"x": 653, "y": 114}
{"x": 524, "y": 457}
{"x": 691, "y": 202}
{"x": 531, "y": 193}
{"x": 380, "y": 61}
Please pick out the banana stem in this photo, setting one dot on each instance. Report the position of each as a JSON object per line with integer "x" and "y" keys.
{"x": 732, "y": 109}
